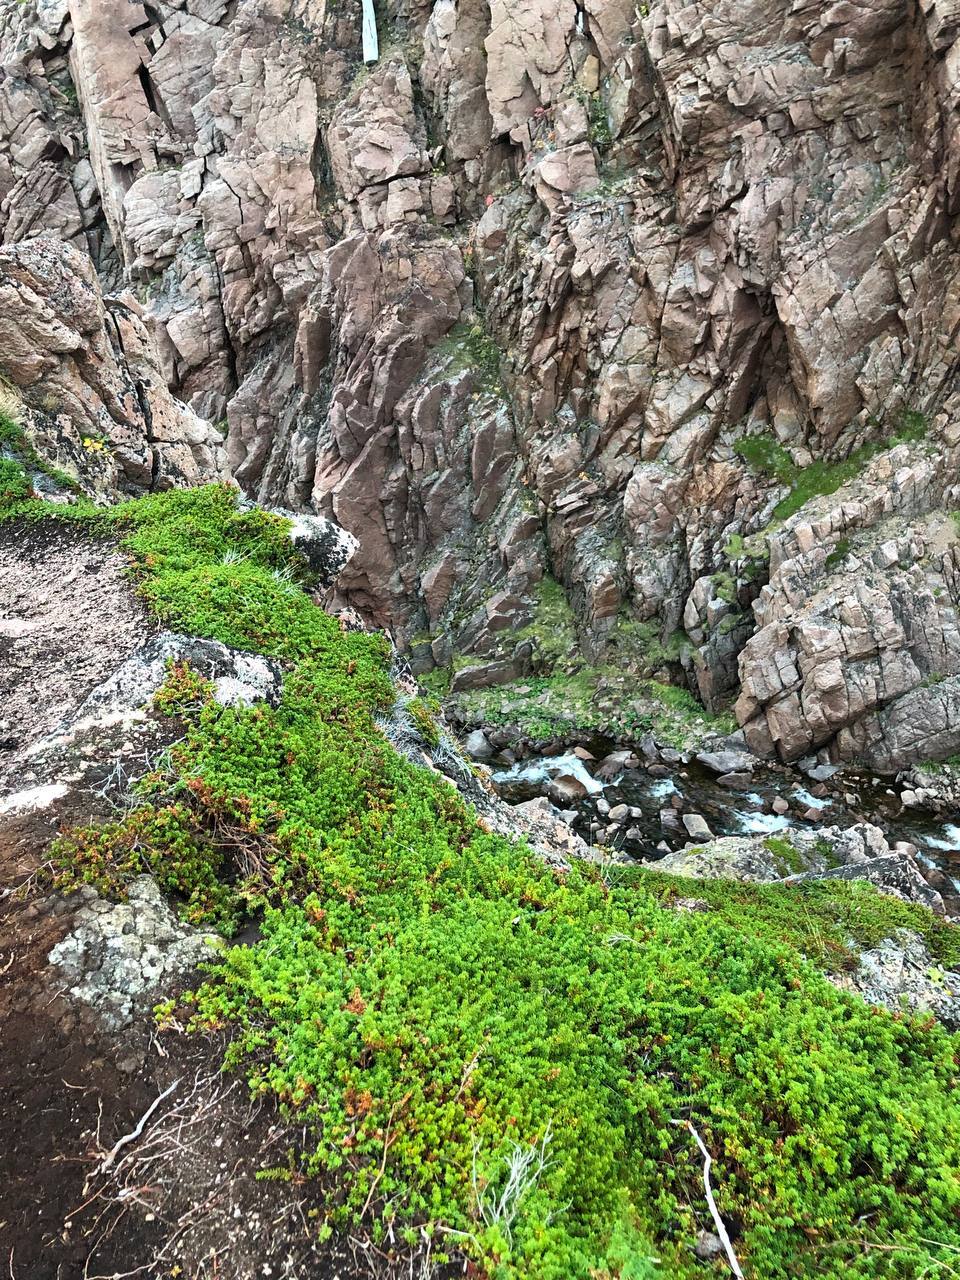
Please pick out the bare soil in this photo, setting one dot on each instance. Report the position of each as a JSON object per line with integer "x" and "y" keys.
{"x": 68, "y": 618}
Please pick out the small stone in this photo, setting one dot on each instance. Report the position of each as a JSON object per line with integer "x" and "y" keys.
{"x": 619, "y": 813}
{"x": 780, "y": 806}
{"x": 697, "y": 827}
{"x": 707, "y": 1246}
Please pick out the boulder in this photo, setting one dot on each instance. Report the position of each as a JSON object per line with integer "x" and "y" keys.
{"x": 476, "y": 746}
{"x": 697, "y": 827}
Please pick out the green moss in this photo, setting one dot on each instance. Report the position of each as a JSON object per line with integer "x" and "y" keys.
{"x": 787, "y": 854}
{"x": 553, "y": 630}
{"x": 641, "y": 644}
{"x": 426, "y": 999}
{"x": 15, "y": 486}
{"x": 828, "y": 921}
{"x": 726, "y": 586}
{"x": 604, "y": 699}
{"x": 838, "y": 554}
{"x": 470, "y": 348}
{"x": 768, "y": 456}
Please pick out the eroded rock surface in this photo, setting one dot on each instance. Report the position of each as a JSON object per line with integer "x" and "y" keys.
{"x": 900, "y": 974}
{"x": 120, "y": 956}
{"x": 503, "y": 305}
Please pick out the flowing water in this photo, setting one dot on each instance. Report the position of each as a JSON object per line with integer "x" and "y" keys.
{"x": 691, "y": 788}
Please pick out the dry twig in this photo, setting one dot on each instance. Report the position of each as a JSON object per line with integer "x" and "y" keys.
{"x": 711, "y": 1203}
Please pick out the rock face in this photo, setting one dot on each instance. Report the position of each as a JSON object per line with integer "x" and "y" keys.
{"x": 95, "y": 401}
{"x": 505, "y": 304}
{"x": 858, "y": 647}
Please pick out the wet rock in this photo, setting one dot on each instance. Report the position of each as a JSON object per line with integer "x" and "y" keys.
{"x": 945, "y": 886}
{"x": 736, "y": 781}
{"x": 612, "y": 765}
{"x": 670, "y": 822}
{"x": 727, "y": 761}
{"x": 566, "y": 787}
{"x": 821, "y": 772}
{"x": 780, "y": 805}
{"x": 697, "y": 827}
{"x": 619, "y": 813}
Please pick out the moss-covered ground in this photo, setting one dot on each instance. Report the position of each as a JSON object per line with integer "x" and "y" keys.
{"x": 434, "y": 1008}
{"x": 601, "y": 699}
{"x": 768, "y": 456}
{"x": 567, "y": 696}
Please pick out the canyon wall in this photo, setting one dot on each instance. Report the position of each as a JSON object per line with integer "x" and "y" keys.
{"x": 598, "y": 292}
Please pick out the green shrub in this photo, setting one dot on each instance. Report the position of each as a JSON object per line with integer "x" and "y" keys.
{"x": 428, "y": 1001}
{"x": 14, "y": 484}
{"x": 425, "y": 719}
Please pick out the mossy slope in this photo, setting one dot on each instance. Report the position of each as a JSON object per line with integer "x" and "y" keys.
{"x": 427, "y": 999}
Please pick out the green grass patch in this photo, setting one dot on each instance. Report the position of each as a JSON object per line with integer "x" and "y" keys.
{"x": 470, "y": 348}
{"x": 429, "y": 1003}
{"x": 768, "y": 456}
{"x": 15, "y": 485}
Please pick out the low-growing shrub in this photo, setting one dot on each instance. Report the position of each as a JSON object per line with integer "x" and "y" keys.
{"x": 434, "y": 1007}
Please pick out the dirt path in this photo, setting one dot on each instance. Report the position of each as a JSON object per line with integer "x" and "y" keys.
{"x": 68, "y": 618}
{"x": 183, "y": 1198}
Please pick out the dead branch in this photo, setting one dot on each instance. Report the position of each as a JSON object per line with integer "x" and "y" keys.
{"x": 711, "y": 1203}
{"x": 135, "y": 1133}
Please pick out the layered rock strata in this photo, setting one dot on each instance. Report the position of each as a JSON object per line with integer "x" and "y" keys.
{"x": 507, "y": 304}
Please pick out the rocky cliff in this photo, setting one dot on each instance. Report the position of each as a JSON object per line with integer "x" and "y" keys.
{"x": 658, "y": 301}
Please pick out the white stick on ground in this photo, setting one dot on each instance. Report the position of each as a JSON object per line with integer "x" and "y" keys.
{"x": 711, "y": 1203}
{"x": 135, "y": 1133}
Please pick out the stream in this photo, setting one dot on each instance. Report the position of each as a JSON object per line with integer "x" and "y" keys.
{"x": 766, "y": 800}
